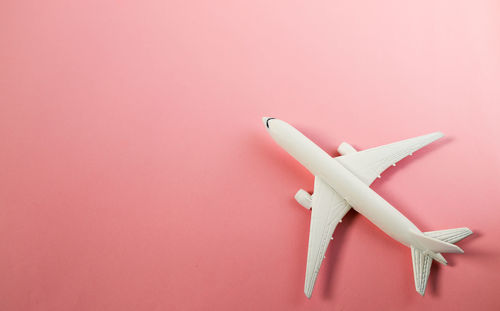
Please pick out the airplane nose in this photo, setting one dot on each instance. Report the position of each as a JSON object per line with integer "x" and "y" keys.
{"x": 266, "y": 120}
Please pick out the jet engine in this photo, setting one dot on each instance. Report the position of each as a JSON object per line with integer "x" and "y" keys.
{"x": 345, "y": 148}
{"x": 304, "y": 198}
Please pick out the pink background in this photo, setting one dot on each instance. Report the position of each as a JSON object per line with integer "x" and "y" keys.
{"x": 136, "y": 174}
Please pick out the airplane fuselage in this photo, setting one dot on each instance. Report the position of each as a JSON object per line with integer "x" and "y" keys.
{"x": 359, "y": 195}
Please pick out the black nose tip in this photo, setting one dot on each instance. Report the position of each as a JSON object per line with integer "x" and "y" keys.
{"x": 267, "y": 122}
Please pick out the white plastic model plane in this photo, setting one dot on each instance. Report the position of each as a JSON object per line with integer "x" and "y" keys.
{"x": 343, "y": 182}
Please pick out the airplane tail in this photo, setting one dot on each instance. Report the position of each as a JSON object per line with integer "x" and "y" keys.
{"x": 431, "y": 245}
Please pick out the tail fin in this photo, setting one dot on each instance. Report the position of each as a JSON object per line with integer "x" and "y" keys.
{"x": 433, "y": 243}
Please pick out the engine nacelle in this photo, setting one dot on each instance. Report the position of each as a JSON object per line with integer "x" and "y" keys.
{"x": 345, "y": 148}
{"x": 304, "y": 198}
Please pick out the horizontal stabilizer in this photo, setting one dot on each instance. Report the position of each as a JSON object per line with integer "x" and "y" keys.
{"x": 450, "y": 235}
{"x": 438, "y": 257}
{"x": 425, "y": 242}
{"x": 421, "y": 269}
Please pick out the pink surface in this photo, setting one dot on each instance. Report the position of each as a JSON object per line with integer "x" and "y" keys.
{"x": 135, "y": 172}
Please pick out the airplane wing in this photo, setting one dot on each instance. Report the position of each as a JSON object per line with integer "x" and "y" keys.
{"x": 370, "y": 163}
{"x": 328, "y": 208}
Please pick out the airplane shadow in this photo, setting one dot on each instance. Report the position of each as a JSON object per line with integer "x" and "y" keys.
{"x": 436, "y": 268}
{"x": 266, "y": 151}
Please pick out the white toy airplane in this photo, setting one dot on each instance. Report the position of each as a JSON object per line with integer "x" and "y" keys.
{"x": 343, "y": 182}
